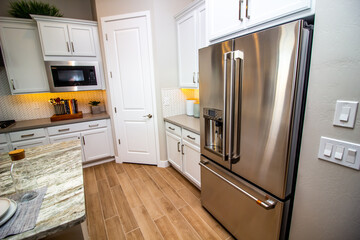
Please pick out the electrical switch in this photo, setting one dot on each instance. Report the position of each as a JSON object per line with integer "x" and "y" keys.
{"x": 328, "y": 149}
{"x": 339, "y": 152}
{"x": 344, "y": 115}
{"x": 351, "y": 156}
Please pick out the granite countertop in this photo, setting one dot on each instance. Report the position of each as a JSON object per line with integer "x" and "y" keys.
{"x": 45, "y": 122}
{"x": 190, "y": 123}
{"x": 60, "y": 166}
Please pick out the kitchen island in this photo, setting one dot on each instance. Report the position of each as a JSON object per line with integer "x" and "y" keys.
{"x": 59, "y": 167}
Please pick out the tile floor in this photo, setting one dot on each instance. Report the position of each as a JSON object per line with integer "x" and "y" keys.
{"x": 131, "y": 201}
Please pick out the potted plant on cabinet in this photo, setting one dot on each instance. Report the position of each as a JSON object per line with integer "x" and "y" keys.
{"x": 95, "y": 109}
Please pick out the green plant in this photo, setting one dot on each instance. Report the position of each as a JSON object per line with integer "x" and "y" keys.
{"x": 94, "y": 103}
{"x": 23, "y": 9}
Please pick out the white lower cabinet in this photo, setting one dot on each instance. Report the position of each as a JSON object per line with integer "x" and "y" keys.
{"x": 191, "y": 159}
{"x": 96, "y": 138}
{"x": 183, "y": 152}
{"x": 64, "y": 137}
{"x": 30, "y": 143}
{"x": 96, "y": 144}
{"x": 4, "y": 148}
{"x": 173, "y": 146}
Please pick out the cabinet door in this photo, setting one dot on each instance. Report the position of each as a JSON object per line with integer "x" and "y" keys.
{"x": 224, "y": 17}
{"x": 96, "y": 144}
{"x": 23, "y": 58}
{"x": 202, "y": 40}
{"x": 65, "y": 137}
{"x": 30, "y": 143}
{"x": 4, "y": 148}
{"x": 55, "y": 39}
{"x": 81, "y": 40}
{"x": 187, "y": 50}
{"x": 173, "y": 146}
{"x": 264, "y": 11}
{"x": 191, "y": 159}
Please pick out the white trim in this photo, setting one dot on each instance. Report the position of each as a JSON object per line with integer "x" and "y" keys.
{"x": 145, "y": 14}
{"x": 94, "y": 163}
{"x": 163, "y": 164}
{"x": 16, "y": 20}
{"x": 118, "y": 160}
{"x": 62, "y": 20}
{"x": 191, "y": 7}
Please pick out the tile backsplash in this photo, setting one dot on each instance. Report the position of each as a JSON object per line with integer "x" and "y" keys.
{"x": 173, "y": 100}
{"x": 34, "y": 106}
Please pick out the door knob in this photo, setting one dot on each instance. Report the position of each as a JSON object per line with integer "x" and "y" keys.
{"x": 149, "y": 115}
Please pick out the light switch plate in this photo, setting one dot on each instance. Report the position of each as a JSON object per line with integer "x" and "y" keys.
{"x": 345, "y": 113}
{"x": 351, "y": 153}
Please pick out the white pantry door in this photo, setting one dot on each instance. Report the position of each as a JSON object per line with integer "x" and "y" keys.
{"x": 129, "y": 67}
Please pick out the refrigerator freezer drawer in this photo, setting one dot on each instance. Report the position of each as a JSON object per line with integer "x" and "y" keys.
{"x": 247, "y": 212}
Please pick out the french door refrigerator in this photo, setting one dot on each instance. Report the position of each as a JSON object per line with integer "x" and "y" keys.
{"x": 252, "y": 98}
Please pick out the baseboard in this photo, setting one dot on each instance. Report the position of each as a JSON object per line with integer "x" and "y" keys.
{"x": 97, "y": 162}
{"x": 163, "y": 163}
{"x": 118, "y": 160}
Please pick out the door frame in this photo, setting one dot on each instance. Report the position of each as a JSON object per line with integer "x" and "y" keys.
{"x": 103, "y": 21}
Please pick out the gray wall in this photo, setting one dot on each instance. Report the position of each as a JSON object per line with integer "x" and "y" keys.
{"x": 327, "y": 195}
{"x": 80, "y": 9}
{"x": 164, "y": 43}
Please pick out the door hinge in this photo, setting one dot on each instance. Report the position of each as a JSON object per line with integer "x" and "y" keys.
{"x": 111, "y": 74}
{"x": 106, "y": 37}
{"x": 119, "y": 141}
{"x": 115, "y": 110}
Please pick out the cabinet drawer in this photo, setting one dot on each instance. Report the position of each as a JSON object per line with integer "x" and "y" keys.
{"x": 76, "y": 127}
{"x": 4, "y": 148}
{"x": 65, "y": 137}
{"x": 191, "y": 137}
{"x": 28, "y": 134}
{"x": 30, "y": 143}
{"x": 173, "y": 128}
{"x": 3, "y": 138}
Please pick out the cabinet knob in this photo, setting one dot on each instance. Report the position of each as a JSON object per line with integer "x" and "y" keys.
{"x": 148, "y": 116}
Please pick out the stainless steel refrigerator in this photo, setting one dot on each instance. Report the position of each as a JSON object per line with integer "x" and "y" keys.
{"x": 252, "y": 98}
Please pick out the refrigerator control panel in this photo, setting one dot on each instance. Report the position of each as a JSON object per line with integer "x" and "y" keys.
{"x": 213, "y": 114}
{"x": 340, "y": 152}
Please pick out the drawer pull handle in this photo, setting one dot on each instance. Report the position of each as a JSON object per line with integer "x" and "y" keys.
{"x": 171, "y": 128}
{"x": 27, "y": 135}
{"x": 83, "y": 140}
{"x": 94, "y": 125}
{"x": 182, "y": 149}
{"x": 64, "y": 129}
{"x": 192, "y": 138}
{"x": 267, "y": 204}
{"x": 178, "y": 145}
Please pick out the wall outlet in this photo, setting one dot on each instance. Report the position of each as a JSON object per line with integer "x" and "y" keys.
{"x": 340, "y": 152}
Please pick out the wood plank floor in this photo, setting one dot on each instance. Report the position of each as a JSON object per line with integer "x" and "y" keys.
{"x": 132, "y": 201}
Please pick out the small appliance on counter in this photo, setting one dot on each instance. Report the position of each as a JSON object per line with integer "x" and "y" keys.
{"x": 190, "y": 107}
{"x": 196, "y": 109}
{"x": 6, "y": 123}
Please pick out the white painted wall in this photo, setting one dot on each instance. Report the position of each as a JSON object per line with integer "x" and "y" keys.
{"x": 327, "y": 197}
{"x": 164, "y": 43}
{"x": 80, "y": 9}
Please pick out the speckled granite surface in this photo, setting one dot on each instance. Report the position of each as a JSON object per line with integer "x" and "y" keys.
{"x": 189, "y": 123}
{"x": 45, "y": 122}
{"x": 58, "y": 165}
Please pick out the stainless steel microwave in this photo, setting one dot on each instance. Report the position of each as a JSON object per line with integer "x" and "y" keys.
{"x": 69, "y": 76}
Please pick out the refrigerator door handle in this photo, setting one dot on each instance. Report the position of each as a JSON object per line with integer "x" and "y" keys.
{"x": 267, "y": 204}
{"x": 226, "y": 56}
{"x": 237, "y": 98}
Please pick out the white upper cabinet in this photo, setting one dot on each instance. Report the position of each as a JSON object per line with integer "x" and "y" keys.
{"x": 231, "y": 16}
{"x": 191, "y": 35}
{"x": 55, "y": 38}
{"x": 82, "y": 40}
{"x": 67, "y": 37}
{"x": 61, "y": 39}
{"x": 22, "y": 56}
